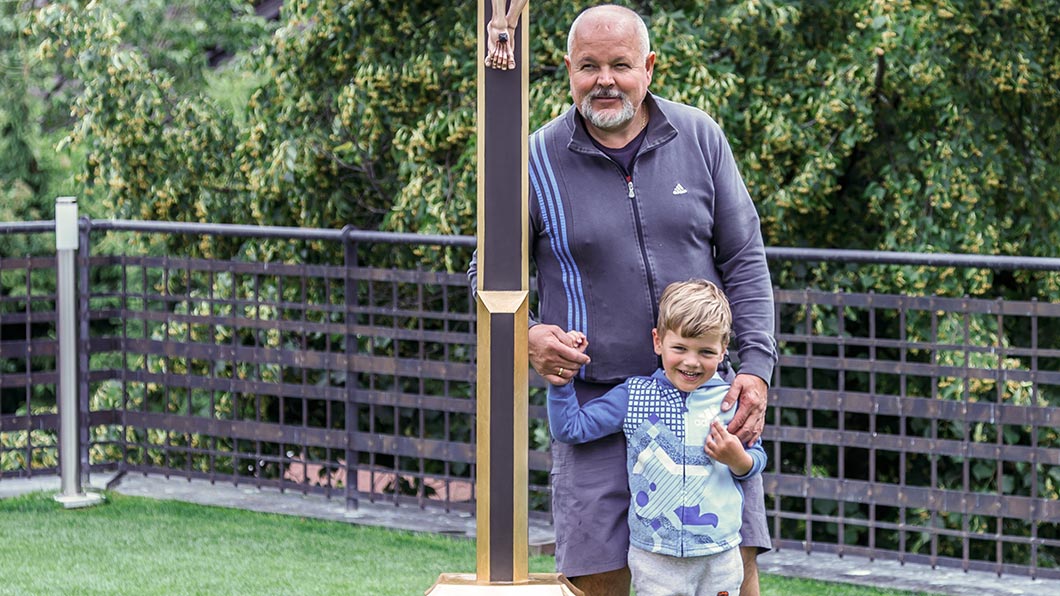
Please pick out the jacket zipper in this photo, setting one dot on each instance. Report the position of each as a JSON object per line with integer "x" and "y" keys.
{"x": 684, "y": 474}
{"x": 640, "y": 233}
{"x": 643, "y": 247}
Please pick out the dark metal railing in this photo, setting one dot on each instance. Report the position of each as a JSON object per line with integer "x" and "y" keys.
{"x": 331, "y": 376}
{"x": 915, "y": 427}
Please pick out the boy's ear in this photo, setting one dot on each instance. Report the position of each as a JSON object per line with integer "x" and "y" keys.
{"x": 656, "y": 341}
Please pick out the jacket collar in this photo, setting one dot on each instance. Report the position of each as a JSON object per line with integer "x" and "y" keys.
{"x": 660, "y": 129}
{"x": 672, "y": 393}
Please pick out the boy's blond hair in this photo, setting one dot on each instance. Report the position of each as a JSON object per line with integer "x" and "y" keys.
{"x": 694, "y": 308}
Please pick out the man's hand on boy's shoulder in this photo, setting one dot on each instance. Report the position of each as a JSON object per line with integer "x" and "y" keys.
{"x": 750, "y": 417}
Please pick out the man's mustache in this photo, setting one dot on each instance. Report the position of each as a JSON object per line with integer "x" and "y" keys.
{"x": 607, "y": 94}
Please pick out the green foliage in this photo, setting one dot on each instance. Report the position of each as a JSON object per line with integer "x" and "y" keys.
{"x": 901, "y": 125}
{"x": 156, "y": 146}
{"x": 24, "y": 173}
{"x": 893, "y": 126}
{"x": 357, "y": 123}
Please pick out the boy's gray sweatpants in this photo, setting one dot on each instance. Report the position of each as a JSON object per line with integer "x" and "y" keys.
{"x": 663, "y": 575}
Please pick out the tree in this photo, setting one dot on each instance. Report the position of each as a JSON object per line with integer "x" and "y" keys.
{"x": 24, "y": 174}
{"x": 156, "y": 145}
{"x": 900, "y": 125}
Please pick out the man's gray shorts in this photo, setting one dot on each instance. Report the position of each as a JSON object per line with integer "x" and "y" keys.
{"x": 590, "y": 502}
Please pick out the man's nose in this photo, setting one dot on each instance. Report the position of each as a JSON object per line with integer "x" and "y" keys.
{"x": 605, "y": 78}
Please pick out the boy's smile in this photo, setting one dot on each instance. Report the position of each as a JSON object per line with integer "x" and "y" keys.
{"x": 689, "y": 361}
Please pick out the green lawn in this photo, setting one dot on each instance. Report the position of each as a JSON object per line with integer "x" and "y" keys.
{"x": 140, "y": 546}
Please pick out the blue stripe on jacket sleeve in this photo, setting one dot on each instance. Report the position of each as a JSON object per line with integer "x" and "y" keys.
{"x": 550, "y": 203}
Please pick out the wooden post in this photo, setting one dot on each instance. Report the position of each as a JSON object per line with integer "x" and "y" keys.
{"x": 503, "y": 310}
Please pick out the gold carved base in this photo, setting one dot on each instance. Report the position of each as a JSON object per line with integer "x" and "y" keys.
{"x": 538, "y": 584}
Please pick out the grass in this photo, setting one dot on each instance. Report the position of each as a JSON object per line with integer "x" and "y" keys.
{"x": 132, "y": 545}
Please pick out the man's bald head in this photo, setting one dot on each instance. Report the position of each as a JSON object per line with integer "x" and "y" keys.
{"x": 608, "y": 16}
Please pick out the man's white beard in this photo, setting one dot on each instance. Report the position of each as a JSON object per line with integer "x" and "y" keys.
{"x": 609, "y": 120}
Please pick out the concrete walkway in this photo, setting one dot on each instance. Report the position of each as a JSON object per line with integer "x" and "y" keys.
{"x": 788, "y": 563}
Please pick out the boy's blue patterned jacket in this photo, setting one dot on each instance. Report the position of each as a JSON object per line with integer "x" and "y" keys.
{"x": 683, "y": 503}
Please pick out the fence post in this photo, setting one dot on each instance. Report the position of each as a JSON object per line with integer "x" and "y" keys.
{"x": 66, "y": 244}
{"x": 350, "y": 347}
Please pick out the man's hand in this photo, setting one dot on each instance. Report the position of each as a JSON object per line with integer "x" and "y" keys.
{"x": 750, "y": 417}
{"x": 556, "y": 354}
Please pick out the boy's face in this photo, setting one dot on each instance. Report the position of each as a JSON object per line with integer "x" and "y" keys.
{"x": 688, "y": 361}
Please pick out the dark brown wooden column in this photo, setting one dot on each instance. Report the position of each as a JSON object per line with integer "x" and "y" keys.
{"x": 503, "y": 310}
{"x": 503, "y": 283}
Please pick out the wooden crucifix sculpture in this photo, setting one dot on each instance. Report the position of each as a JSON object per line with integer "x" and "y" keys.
{"x": 503, "y": 312}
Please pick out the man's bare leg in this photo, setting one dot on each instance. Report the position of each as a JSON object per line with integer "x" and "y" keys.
{"x": 608, "y": 583}
{"x": 749, "y": 587}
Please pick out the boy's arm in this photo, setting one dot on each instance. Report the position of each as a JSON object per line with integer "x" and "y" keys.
{"x": 758, "y": 460}
{"x": 571, "y": 422}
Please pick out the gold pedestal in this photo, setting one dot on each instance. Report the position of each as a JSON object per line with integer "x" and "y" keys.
{"x": 538, "y": 584}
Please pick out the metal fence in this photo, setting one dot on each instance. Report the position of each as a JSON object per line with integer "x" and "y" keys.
{"x": 922, "y": 428}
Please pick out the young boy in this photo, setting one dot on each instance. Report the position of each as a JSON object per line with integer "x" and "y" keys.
{"x": 685, "y": 508}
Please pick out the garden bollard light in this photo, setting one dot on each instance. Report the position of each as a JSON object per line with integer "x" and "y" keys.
{"x": 66, "y": 245}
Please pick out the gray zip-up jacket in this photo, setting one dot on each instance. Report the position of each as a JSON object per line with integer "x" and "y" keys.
{"x": 606, "y": 244}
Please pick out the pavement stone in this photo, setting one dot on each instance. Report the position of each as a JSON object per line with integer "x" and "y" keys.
{"x": 914, "y": 577}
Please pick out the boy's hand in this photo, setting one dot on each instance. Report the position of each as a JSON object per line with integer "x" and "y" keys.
{"x": 578, "y": 340}
{"x": 726, "y": 448}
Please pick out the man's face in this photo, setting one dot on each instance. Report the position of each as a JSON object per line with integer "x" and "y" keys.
{"x": 609, "y": 76}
